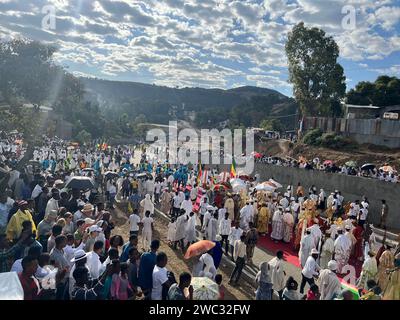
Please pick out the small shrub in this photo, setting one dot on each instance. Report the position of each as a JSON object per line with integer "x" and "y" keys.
{"x": 311, "y": 137}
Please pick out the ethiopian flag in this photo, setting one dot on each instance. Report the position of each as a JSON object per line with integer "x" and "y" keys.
{"x": 233, "y": 168}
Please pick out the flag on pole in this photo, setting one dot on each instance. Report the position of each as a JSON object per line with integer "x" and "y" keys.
{"x": 199, "y": 173}
{"x": 233, "y": 168}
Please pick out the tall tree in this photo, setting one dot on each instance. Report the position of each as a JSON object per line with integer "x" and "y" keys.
{"x": 385, "y": 91}
{"x": 318, "y": 80}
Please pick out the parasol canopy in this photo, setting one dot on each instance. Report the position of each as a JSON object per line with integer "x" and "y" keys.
{"x": 265, "y": 187}
{"x": 88, "y": 170}
{"x": 351, "y": 164}
{"x": 237, "y": 185}
{"x": 275, "y": 183}
{"x": 387, "y": 169}
{"x": 257, "y": 155}
{"x": 368, "y": 166}
{"x": 220, "y": 186}
{"x": 204, "y": 289}
{"x": 199, "y": 248}
{"x": 328, "y": 162}
{"x": 111, "y": 175}
{"x": 81, "y": 183}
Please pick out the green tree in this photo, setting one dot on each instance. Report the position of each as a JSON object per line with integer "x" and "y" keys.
{"x": 318, "y": 80}
{"x": 83, "y": 137}
{"x": 271, "y": 125}
{"x": 385, "y": 91}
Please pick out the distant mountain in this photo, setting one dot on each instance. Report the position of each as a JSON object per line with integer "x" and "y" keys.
{"x": 160, "y": 103}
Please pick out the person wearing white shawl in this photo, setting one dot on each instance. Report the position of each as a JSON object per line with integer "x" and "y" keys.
{"x": 264, "y": 282}
{"x": 147, "y": 204}
{"x": 212, "y": 228}
{"x": 306, "y": 245}
{"x": 187, "y": 205}
{"x": 277, "y": 225}
{"x": 328, "y": 282}
{"x": 190, "y": 236}
{"x": 316, "y": 232}
{"x": 278, "y": 273}
{"x": 246, "y": 215}
{"x": 369, "y": 270}
{"x": 221, "y": 215}
{"x": 342, "y": 250}
{"x": 328, "y": 247}
{"x": 288, "y": 223}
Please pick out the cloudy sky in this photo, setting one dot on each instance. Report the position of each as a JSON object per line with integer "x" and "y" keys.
{"x": 206, "y": 43}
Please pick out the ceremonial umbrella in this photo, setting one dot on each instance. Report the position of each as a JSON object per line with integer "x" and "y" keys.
{"x": 81, "y": 183}
{"x": 367, "y": 166}
{"x": 237, "y": 185}
{"x": 258, "y": 155}
{"x": 220, "y": 186}
{"x": 328, "y": 162}
{"x": 277, "y": 184}
{"x": 351, "y": 164}
{"x": 88, "y": 170}
{"x": 265, "y": 187}
{"x": 204, "y": 289}
{"x": 199, "y": 248}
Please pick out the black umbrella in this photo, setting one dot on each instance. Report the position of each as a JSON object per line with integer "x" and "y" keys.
{"x": 88, "y": 170}
{"x": 111, "y": 175}
{"x": 81, "y": 183}
{"x": 141, "y": 175}
{"x": 367, "y": 166}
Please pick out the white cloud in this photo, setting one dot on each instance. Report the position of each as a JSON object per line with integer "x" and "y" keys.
{"x": 192, "y": 42}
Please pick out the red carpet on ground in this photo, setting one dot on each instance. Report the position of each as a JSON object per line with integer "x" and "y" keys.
{"x": 266, "y": 243}
{"x": 290, "y": 255}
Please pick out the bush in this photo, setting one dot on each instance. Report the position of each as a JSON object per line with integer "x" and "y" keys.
{"x": 333, "y": 141}
{"x": 311, "y": 137}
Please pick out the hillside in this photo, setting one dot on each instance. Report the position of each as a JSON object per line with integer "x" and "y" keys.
{"x": 160, "y": 103}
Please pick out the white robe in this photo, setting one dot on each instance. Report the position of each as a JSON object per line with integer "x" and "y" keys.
{"x": 147, "y": 204}
{"x": 212, "y": 229}
{"x": 187, "y": 206}
{"x": 191, "y": 229}
{"x": 180, "y": 227}
{"x": 277, "y": 274}
{"x": 246, "y": 215}
{"x": 316, "y": 233}
{"x": 306, "y": 245}
{"x": 328, "y": 284}
{"x": 326, "y": 253}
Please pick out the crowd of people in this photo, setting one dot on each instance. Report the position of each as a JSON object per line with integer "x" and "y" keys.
{"x": 60, "y": 239}
{"x": 384, "y": 173}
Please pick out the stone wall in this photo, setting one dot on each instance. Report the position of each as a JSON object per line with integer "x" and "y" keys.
{"x": 352, "y": 188}
{"x": 375, "y": 131}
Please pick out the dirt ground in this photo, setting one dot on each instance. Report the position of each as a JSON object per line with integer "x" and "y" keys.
{"x": 176, "y": 262}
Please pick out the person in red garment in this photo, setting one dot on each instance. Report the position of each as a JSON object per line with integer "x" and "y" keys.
{"x": 218, "y": 200}
{"x": 358, "y": 233}
{"x": 27, "y": 278}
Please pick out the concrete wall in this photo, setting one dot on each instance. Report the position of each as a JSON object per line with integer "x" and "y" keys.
{"x": 374, "y": 131}
{"x": 352, "y": 188}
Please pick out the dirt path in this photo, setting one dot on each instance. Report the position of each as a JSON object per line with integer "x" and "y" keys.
{"x": 176, "y": 262}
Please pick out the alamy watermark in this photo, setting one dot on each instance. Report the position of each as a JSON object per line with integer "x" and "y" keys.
{"x": 349, "y": 19}
{"x": 49, "y": 18}
{"x": 187, "y": 146}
